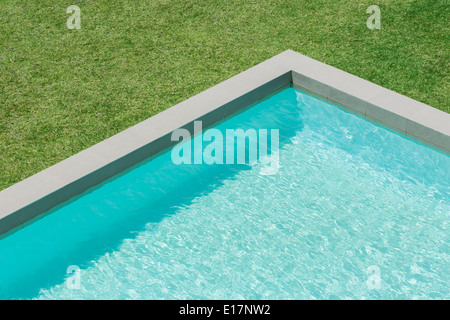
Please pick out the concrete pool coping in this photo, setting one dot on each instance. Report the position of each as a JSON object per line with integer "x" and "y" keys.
{"x": 39, "y": 193}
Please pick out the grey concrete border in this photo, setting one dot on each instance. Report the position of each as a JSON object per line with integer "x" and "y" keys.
{"x": 37, "y": 194}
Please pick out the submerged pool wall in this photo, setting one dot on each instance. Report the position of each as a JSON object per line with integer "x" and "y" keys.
{"x": 26, "y": 200}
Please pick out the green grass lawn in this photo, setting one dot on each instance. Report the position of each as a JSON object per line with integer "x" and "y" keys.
{"x": 63, "y": 90}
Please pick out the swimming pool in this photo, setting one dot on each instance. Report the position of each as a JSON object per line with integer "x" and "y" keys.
{"x": 353, "y": 211}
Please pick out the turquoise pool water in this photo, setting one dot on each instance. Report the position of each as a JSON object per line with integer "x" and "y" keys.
{"x": 354, "y": 211}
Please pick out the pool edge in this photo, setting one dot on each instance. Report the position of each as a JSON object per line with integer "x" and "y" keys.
{"x": 39, "y": 193}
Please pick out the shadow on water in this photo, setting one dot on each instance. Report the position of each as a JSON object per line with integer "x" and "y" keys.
{"x": 54, "y": 272}
{"x": 205, "y": 181}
